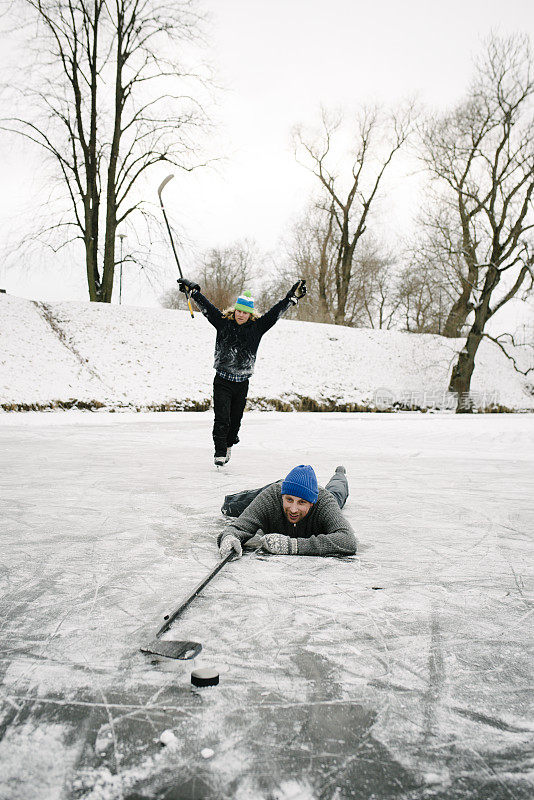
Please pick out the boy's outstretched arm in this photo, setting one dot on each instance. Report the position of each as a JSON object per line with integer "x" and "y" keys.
{"x": 210, "y": 311}
{"x": 297, "y": 291}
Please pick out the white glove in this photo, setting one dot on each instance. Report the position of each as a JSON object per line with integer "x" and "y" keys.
{"x": 229, "y": 543}
{"x": 279, "y": 545}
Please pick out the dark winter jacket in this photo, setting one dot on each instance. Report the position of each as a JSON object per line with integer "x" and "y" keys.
{"x": 236, "y": 345}
{"x": 323, "y": 531}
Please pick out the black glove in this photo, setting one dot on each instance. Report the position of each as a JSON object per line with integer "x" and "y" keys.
{"x": 297, "y": 291}
{"x": 186, "y": 285}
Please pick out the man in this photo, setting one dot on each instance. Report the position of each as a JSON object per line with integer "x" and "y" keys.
{"x": 295, "y": 516}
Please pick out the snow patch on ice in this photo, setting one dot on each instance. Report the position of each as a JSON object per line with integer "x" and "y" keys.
{"x": 46, "y": 758}
{"x": 293, "y": 790}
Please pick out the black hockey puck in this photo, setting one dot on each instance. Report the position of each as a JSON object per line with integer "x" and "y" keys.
{"x": 206, "y": 676}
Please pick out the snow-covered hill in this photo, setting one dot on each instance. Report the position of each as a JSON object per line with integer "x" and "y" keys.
{"x": 64, "y": 354}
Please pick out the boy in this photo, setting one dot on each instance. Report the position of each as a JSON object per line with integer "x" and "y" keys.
{"x": 239, "y": 332}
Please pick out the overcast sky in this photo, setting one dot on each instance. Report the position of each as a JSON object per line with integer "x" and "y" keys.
{"x": 281, "y": 59}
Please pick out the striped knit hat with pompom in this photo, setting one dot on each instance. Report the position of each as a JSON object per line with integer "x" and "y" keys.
{"x": 245, "y": 302}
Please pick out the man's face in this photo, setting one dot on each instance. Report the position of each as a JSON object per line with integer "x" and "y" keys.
{"x": 295, "y": 508}
{"x": 241, "y": 316}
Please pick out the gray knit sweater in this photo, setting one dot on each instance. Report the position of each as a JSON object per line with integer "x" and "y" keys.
{"x": 324, "y": 531}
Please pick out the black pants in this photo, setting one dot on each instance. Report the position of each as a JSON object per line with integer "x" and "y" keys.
{"x": 229, "y": 400}
{"x": 235, "y": 504}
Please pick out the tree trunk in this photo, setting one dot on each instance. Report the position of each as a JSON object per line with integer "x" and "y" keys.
{"x": 111, "y": 190}
{"x": 324, "y": 304}
{"x": 324, "y": 313}
{"x": 462, "y": 372}
{"x": 109, "y": 260}
{"x": 90, "y": 261}
{"x": 463, "y": 306}
{"x": 92, "y": 196}
{"x": 457, "y": 316}
{"x": 342, "y": 283}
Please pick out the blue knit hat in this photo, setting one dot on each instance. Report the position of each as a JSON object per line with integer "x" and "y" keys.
{"x": 301, "y": 482}
{"x": 245, "y": 302}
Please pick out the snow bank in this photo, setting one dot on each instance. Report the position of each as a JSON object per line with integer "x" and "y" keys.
{"x": 87, "y": 354}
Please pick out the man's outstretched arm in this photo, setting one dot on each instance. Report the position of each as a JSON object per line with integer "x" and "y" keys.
{"x": 253, "y": 519}
{"x": 338, "y": 538}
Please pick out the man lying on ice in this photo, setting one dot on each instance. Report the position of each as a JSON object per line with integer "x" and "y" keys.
{"x": 295, "y": 516}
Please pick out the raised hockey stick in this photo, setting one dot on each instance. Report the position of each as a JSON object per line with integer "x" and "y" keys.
{"x": 181, "y": 649}
{"x": 162, "y": 185}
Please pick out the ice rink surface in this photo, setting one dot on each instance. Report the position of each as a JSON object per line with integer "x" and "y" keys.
{"x": 403, "y": 672}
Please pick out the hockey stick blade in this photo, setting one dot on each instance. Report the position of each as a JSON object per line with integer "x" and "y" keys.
{"x": 180, "y": 649}
{"x": 172, "y": 649}
{"x": 163, "y": 184}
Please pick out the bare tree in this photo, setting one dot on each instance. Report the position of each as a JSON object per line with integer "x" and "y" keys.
{"x": 372, "y": 300}
{"x": 224, "y": 273}
{"x": 419, "y": 299}
{"x": 483, "y": 154}
{"x": 437, "y": 265}
{"x": 228, "y": 271}
{"x": 312, "y": 254}
{"x": 107, "y": 101}
{"x": 349, "y": 196}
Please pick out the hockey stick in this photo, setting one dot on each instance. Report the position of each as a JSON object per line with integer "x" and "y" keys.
{"x": 162, "y": 185}
{"x": 181, "y": 649}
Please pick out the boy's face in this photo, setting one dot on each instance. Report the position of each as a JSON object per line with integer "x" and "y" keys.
{"x": 295, "y": 508}
{"x": 241, "y": 316}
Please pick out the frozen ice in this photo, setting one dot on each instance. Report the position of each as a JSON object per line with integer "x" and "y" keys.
{"x": 402, "y": 672}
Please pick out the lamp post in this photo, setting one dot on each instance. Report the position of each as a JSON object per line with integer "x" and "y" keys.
{"x": 122, "y": 236}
